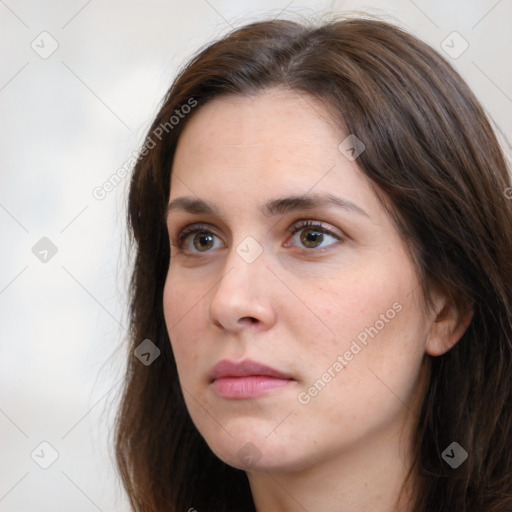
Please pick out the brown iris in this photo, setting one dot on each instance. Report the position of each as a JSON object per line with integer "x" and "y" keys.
{"x": 311, "y": 238}
{"x": 203, "y": 241}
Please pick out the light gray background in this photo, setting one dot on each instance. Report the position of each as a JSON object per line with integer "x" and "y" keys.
{"x": 68, "y": 122}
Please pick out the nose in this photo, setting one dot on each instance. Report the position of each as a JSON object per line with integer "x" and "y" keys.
{"x": 243, "y": 297}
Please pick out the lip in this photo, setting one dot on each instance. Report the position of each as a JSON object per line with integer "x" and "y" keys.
{"x": 246, "y": 379}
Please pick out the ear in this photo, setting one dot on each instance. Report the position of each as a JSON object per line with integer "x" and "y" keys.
{"x": 448, "y": 326}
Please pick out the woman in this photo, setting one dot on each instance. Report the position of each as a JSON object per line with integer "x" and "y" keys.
{"x": 323, "y": 265}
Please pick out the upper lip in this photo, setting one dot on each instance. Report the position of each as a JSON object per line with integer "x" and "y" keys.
{"x": 226, "y": 368}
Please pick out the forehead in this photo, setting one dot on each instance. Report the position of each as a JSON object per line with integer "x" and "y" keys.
{"x": 238, "y": 151}
{"x": 270, "y": 122}
{"x": 276, "y": 138}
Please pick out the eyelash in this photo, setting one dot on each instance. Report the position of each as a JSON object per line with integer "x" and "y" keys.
{"x": 295, "y": 228}
{"x": 183, "y": 234}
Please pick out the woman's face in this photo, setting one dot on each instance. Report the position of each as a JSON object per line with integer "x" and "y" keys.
{"x": 292, "y": 276}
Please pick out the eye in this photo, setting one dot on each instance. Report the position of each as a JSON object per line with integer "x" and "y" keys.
{"x": 198, "y": 239}
{"x": 313, "y": 235}
{"x": 308, "y": 234}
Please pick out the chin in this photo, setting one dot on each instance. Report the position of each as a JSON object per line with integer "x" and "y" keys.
{"x": 251, "y": 448}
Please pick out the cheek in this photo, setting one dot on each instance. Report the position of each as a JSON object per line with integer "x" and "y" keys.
{"x": 359, "y": 306}
{"x": 372, "y": 340}
{"x": 182, "y": 306}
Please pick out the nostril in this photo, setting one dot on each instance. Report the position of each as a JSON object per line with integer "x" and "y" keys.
{"x": 249, "y": 319}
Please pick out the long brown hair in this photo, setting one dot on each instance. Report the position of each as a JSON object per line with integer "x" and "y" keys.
{"x": 432, "y": 151}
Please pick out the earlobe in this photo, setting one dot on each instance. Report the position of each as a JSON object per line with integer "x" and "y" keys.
{"x": 447, "y": 329}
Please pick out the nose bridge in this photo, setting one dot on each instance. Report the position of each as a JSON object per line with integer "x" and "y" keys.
{"x": 245, "y": 266}
{"x": 242, "y": 291}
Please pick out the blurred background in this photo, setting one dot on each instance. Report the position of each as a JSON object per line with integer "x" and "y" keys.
{"x": 80, "y": 82}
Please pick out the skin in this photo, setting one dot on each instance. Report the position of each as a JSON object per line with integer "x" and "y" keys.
{"x": 297, "y": 308}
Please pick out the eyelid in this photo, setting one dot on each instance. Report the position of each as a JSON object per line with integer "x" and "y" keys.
{"x": 183, "y": 233}
{"x": 309, "y": 223}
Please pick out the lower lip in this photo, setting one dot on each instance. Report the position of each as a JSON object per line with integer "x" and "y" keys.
{"x": 247, "y": 387}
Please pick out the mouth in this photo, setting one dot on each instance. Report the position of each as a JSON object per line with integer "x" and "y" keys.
{"x": 246, "y": 379}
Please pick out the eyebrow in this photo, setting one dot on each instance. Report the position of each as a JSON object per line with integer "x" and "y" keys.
{"x": 274, "y": 207}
